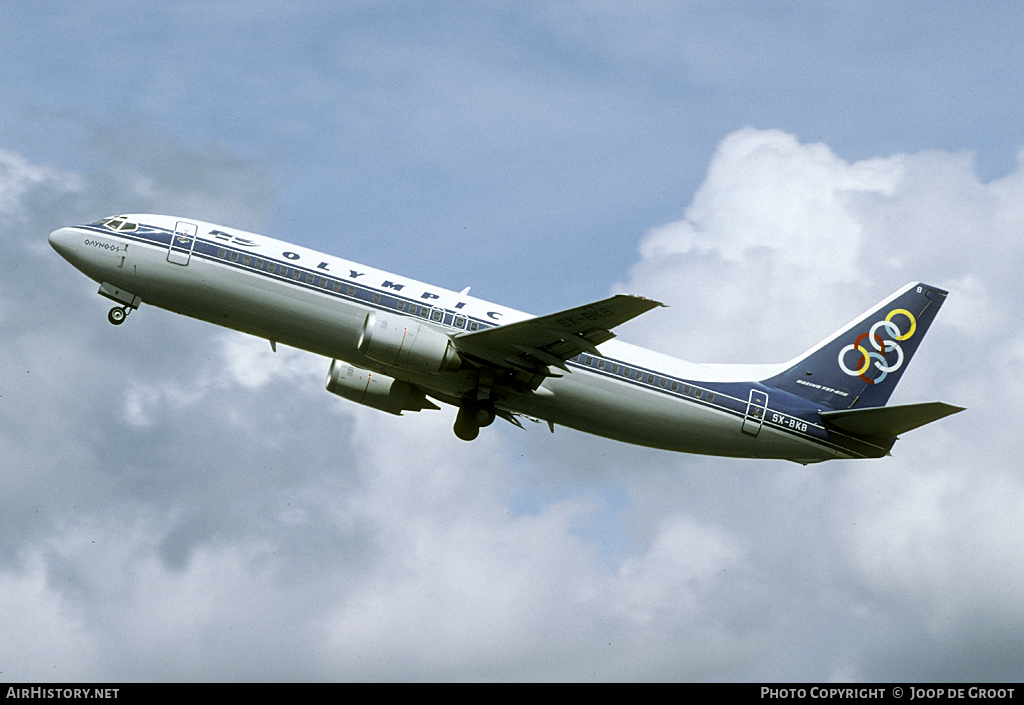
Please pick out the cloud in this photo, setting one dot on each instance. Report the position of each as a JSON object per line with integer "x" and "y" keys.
{"x": 182, "y": 503}
{"x": 771, "y": 223}
{"x": 786, "y": 241}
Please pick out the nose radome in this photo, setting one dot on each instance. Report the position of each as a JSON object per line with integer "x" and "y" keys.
{"x": 65, "y": 241}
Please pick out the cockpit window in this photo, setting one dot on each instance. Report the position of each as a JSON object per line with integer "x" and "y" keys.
{"x": 119, "y": 223}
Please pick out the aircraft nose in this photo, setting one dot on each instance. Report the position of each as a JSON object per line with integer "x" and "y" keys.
{"x": 65, "y": 241}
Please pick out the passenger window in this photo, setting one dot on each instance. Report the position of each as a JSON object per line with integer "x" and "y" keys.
{"x": 686, "y": 389}
{"x": 376, "y": 298}
{"x": 222, "y": 253}
{"x": 337, "y": 287}
{"x": 711, "y": 396}
{"x": 460, "y": 322}
{"x": 400, "y": 305}
{"x": 436, "y": 314}
{"x": 675, "y": 386}
{"x": 351, "y": 291}
{"x": 697, "y": 393}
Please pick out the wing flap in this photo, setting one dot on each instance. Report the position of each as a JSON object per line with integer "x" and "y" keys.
{"x": 538, "y": 343}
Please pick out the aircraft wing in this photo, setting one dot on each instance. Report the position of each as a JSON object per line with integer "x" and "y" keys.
{"x": 536, "y": 343}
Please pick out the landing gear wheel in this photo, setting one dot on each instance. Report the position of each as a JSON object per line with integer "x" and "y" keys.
{"x": 472, "y": 417}
{"x": 483, "y": 413}
{"x": 117, "y": 315}
{"x": 466, "y": 427}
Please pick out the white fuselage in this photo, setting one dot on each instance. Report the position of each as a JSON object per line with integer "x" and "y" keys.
{"x": 302, "y": 298}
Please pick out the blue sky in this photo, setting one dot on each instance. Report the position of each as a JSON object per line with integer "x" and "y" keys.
{"x": 578, "y": 123}
{"x": 769, "y": 170}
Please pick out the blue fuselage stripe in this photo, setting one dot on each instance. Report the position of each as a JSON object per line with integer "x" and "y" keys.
{"x": 794, "y": 417}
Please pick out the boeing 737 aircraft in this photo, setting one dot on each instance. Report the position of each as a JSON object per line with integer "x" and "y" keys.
{"x": 400, "y": 345}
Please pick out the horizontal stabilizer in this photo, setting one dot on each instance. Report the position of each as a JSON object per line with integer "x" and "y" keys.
{"x": 888, "y": 421}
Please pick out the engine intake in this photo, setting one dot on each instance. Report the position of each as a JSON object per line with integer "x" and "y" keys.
{"x": 401, "y": 342}
{"x": 376, "y": 390}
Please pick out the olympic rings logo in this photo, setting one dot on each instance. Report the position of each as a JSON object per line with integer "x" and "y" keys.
{"x": 882, "y": 347}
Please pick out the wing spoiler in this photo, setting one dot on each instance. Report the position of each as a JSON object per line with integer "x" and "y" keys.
{"x": 537, "y": 343}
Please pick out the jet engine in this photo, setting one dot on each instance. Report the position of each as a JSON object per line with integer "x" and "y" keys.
{"x": 376, "y": 390}
{"x": 405, "y": 343}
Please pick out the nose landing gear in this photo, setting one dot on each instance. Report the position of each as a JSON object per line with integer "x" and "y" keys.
{"x": 118, "y": 314}
{"x": 127, "y": 300}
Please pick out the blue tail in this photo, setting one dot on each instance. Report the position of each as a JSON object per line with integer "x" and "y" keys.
{"x": 860, "y": 365}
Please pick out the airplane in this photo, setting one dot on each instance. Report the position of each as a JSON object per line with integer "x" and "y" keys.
{"x": 399, "y": 345}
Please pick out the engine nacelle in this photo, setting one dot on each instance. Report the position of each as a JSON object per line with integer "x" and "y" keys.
{"x": 376, "y": 390}
{"x": 401, "y": 342}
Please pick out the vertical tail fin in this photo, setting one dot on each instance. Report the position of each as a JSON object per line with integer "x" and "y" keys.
{"x": 860, "y": 365}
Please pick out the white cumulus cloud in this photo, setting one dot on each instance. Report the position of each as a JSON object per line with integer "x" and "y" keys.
{"x": 184, "y": 503}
